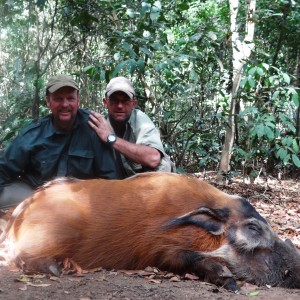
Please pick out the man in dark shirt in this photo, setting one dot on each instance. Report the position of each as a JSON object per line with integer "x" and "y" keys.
{"x": 60, "y": 144}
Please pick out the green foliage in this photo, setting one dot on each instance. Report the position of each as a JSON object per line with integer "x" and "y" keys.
{"x": 269, "y": 118}
{"x": 178, "y": 55}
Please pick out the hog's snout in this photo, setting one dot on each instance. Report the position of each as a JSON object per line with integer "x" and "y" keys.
{"x": 290, "y": 264}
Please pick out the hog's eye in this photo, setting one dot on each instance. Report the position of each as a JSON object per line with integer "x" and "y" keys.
{"x": 253, "y": 227}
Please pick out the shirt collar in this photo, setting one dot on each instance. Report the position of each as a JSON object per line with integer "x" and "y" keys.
{"x": 51, "y": 130}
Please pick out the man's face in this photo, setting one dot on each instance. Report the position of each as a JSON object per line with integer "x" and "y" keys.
{"x": 119, "y": 106}
{"x": 63, "y": 104}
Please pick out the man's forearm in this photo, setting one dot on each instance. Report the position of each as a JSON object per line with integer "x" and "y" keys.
{"x": 144, "y": 155}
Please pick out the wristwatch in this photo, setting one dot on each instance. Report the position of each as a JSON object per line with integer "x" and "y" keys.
{"x": 111, "y": 139}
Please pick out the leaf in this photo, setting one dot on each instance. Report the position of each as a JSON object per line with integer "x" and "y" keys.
{"x": 137, "y": 272}
{"x": 287, "y": 159}
{"x": 191, "y": 276}
{"x": 175, "y": 279}
{"x": 243, "y": 82}
{"x": 141, "y": 65}
{"x": 155, "y": 280}
{"x": 252, "y": 71}
{"x": 260, "y": 71}
{"x": 154, "y": 15}
{"x": 275, "y": 95}
{"x": 296, "y": 160}
{"x": 295, "y": 98}
{"x": 130, "y": 12}
{"x": 89, "y": 70}
{"x": 146, "y": 34}
{"x": 212, "y": 35}
{"x": 253, "y": 294}
{"x": 265, "y": 66}
{"x": 286, "y": 78}
{"x": 183, "y": 6}
{"x": 295, "y": 146}
{"x": 146, "y": 51}
{"x": 269, "y": 133}
{"x": 251, "y": 82}
{"x": 291, "y": 127}
{"x": 157, "y": 4}
{"x": 131, "y": 66}
{"x": 117, "y": 56}
{"x": 260, "y": 130}
{"x": 38, "y": 284}
{"x": 119, "y": 67}
{"x": 281, "y": 153}
{"x": 23, "y": 278}
{"x": 145, "y": 7}
{"x": 195, "y": 37}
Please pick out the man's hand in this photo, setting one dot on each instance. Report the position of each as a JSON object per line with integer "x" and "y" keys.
{"x": 100, "y": 125}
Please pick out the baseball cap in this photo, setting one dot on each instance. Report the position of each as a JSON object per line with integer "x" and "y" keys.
{"x": 60, "y": 81}
{"x": 120, "y": 84}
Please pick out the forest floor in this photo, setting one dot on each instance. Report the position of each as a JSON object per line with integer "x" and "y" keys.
{"x": 278, "y": 201}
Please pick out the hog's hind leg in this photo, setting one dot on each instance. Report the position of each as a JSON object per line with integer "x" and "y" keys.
{"x": 47, "y": 265}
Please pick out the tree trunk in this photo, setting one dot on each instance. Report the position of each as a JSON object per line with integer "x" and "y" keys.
{"x": 241, "y": 50}
{"x": 297, "y": 84}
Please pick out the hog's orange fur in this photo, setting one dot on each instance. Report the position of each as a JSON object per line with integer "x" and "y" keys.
{"x": 117, "y": 223}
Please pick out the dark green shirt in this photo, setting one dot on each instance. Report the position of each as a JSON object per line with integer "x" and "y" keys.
{"x": 41, "y": 153}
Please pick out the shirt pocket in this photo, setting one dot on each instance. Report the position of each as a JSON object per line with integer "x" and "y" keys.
{"x": 43, "y": 165}
{"x": 81, "y": 163}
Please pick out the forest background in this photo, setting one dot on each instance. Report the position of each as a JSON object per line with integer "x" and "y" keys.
{"x": 220, "y": 78}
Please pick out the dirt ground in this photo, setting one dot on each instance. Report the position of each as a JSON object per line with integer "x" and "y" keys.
{"x": 116, "y": 285}
{"x": 278, "y": 201}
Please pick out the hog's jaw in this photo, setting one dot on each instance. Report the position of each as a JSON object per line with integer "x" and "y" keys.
{"x": 254, "y": 253}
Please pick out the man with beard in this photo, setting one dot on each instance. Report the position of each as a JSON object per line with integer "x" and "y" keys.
{"x": 60, "y": 144}
{"x": 132, "y": 135}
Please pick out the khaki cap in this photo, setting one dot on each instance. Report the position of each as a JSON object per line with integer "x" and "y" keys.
{"x": 121, "y": 84}
{"x": 60, "y": 81}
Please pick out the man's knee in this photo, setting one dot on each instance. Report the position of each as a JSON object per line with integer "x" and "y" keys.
{"x": 166, "y": 165}
{"x": 14, "y": 193}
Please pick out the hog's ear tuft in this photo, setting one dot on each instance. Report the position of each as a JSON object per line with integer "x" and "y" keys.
{"x": 212, "y": 220}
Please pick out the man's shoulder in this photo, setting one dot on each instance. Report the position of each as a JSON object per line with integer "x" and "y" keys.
{"x": 35, "y": 125}
{"x": 83, "y": 111}
{"x": 83, "y": 114}
{"x": 139, "y": 117}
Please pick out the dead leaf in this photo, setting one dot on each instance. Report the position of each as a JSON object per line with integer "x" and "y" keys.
{"x": 149, "y": 269}
{"x": 38, "y": 284}
{"x": 23, "y": 278}
{"x": 54, "y": 278}
{"x": 154, "y": 280}
{"x": 175, "y": 279}
{"x": 191, "y": 277}
{"x": 137, "y": 272}
{"x": 169, "y": 275}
